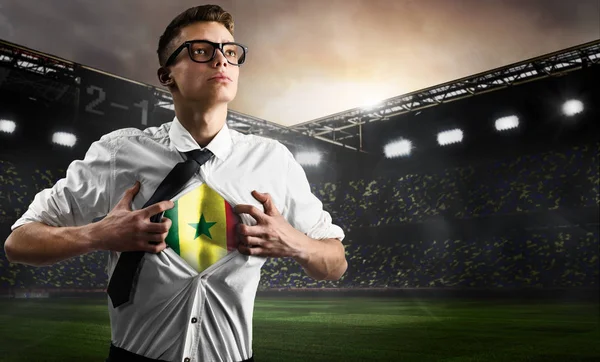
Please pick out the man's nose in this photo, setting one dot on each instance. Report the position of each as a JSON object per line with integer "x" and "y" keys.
{"x": 220, "y": 59}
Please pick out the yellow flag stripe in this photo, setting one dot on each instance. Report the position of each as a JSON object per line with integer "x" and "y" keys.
{"x": 197, "y": 212}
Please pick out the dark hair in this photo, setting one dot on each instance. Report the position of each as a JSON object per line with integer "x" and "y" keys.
{"x": 188, "y": 17}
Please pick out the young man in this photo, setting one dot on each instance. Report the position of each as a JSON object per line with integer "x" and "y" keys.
{"x": 194, "y": 289}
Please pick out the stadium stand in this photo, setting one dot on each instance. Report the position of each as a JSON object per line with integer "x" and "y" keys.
{"x": 523, "y": 215}
{"x": 556, "y": 256}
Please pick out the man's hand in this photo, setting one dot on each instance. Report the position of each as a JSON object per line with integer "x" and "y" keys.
{"x": 126, "y": 230}
{"x": 272, "y": 235}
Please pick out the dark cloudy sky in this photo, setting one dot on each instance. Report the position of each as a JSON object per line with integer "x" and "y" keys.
{"x": 312, "y": 58}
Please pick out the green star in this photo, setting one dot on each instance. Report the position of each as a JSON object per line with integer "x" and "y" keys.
{"x": 202, "y": 227}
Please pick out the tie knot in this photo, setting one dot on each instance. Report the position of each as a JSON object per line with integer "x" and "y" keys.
{"x": 200, "y": 156}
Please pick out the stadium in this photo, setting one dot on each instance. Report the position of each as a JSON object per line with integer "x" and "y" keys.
{"x": 470, "y": 210}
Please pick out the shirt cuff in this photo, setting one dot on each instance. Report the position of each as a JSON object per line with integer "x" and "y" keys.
{"x": 325, "y": 229}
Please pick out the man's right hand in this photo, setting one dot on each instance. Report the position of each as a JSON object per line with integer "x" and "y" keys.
{"x": 126, "y": 230}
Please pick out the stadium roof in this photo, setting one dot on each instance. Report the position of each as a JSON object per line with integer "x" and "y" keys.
{"x": 348, "y": 126}
{"x": 52, "y": 79}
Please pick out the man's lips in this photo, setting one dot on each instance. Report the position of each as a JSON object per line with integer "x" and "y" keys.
{"x": 220, "y": 77}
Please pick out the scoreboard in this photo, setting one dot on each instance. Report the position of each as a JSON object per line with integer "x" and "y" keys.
{"x": 110, "y": 102}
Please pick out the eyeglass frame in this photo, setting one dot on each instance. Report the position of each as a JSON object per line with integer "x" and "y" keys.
{"x": 216, "y": 46}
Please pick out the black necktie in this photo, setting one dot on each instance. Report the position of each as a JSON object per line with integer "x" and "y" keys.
{"x": 123, "y": 280}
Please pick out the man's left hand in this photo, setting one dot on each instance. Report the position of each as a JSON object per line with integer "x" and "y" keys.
{"x": 272, "y": 235}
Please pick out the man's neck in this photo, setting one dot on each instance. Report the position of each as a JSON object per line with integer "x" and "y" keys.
{"x": 202, "y": 123}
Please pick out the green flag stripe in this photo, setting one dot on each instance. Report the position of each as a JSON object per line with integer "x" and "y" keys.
{"x": 173, "y": 236}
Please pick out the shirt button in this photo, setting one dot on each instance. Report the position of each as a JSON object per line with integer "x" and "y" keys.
{"x": 194, "y": 320}
{"x": 186, "y": 360}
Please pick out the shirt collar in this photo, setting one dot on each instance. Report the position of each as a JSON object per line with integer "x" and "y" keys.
{"x": 183, "y": 141}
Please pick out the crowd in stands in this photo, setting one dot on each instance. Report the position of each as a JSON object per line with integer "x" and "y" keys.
{"x": 553, "y": 257}
{"x": 545, "y": 259}
{"x": 546, "y": 181}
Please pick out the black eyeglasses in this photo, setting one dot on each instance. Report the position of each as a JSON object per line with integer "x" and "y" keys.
{"x": 203, "y": 51}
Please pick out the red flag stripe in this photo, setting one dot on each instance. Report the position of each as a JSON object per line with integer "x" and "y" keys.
{"x": 232, "y": 221}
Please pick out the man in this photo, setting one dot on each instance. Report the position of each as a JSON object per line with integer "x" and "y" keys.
{"x": 194, "y": 294}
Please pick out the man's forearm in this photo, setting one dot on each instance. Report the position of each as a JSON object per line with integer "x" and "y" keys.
{"x": 38, "y": 244}
{"x": 323, "y": 259}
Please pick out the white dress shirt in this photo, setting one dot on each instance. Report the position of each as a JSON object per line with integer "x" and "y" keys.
{"x": 178, "y": 313}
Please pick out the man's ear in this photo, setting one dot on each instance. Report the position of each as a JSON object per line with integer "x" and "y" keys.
{"x": 164, "y": 76}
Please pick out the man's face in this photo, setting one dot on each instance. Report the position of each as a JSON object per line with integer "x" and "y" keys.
{"x": 193, "y": 80}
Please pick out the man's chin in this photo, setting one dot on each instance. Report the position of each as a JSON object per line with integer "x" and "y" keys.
{"x": 211, "y": 99}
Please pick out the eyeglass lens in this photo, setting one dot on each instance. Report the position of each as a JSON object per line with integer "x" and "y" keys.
{"x": 202, "y": 52}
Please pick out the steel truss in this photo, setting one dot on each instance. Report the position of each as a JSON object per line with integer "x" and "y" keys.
{"x": 52, "y": 79}
{"x": 44, "y": 77}
{"x": 348, "y": 125}
{"x": 56, "y": 82}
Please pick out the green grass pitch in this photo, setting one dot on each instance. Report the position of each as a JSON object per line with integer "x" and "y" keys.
{"x": 335, "y": 329}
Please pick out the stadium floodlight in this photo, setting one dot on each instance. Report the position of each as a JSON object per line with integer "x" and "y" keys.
{"x": 7, "y": 126}
{"x": 169, "y": 106}
{"x": 397, "y": 148}
{"x": 572, "y": 107}
{"x": 449, "y": 137}
{"x": 506, "y": 123}
{"x": 308, "y": 158}
{"x": 64, "y": 139}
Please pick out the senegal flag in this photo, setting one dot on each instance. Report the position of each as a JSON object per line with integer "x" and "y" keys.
{"x": 203, "y": 228}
